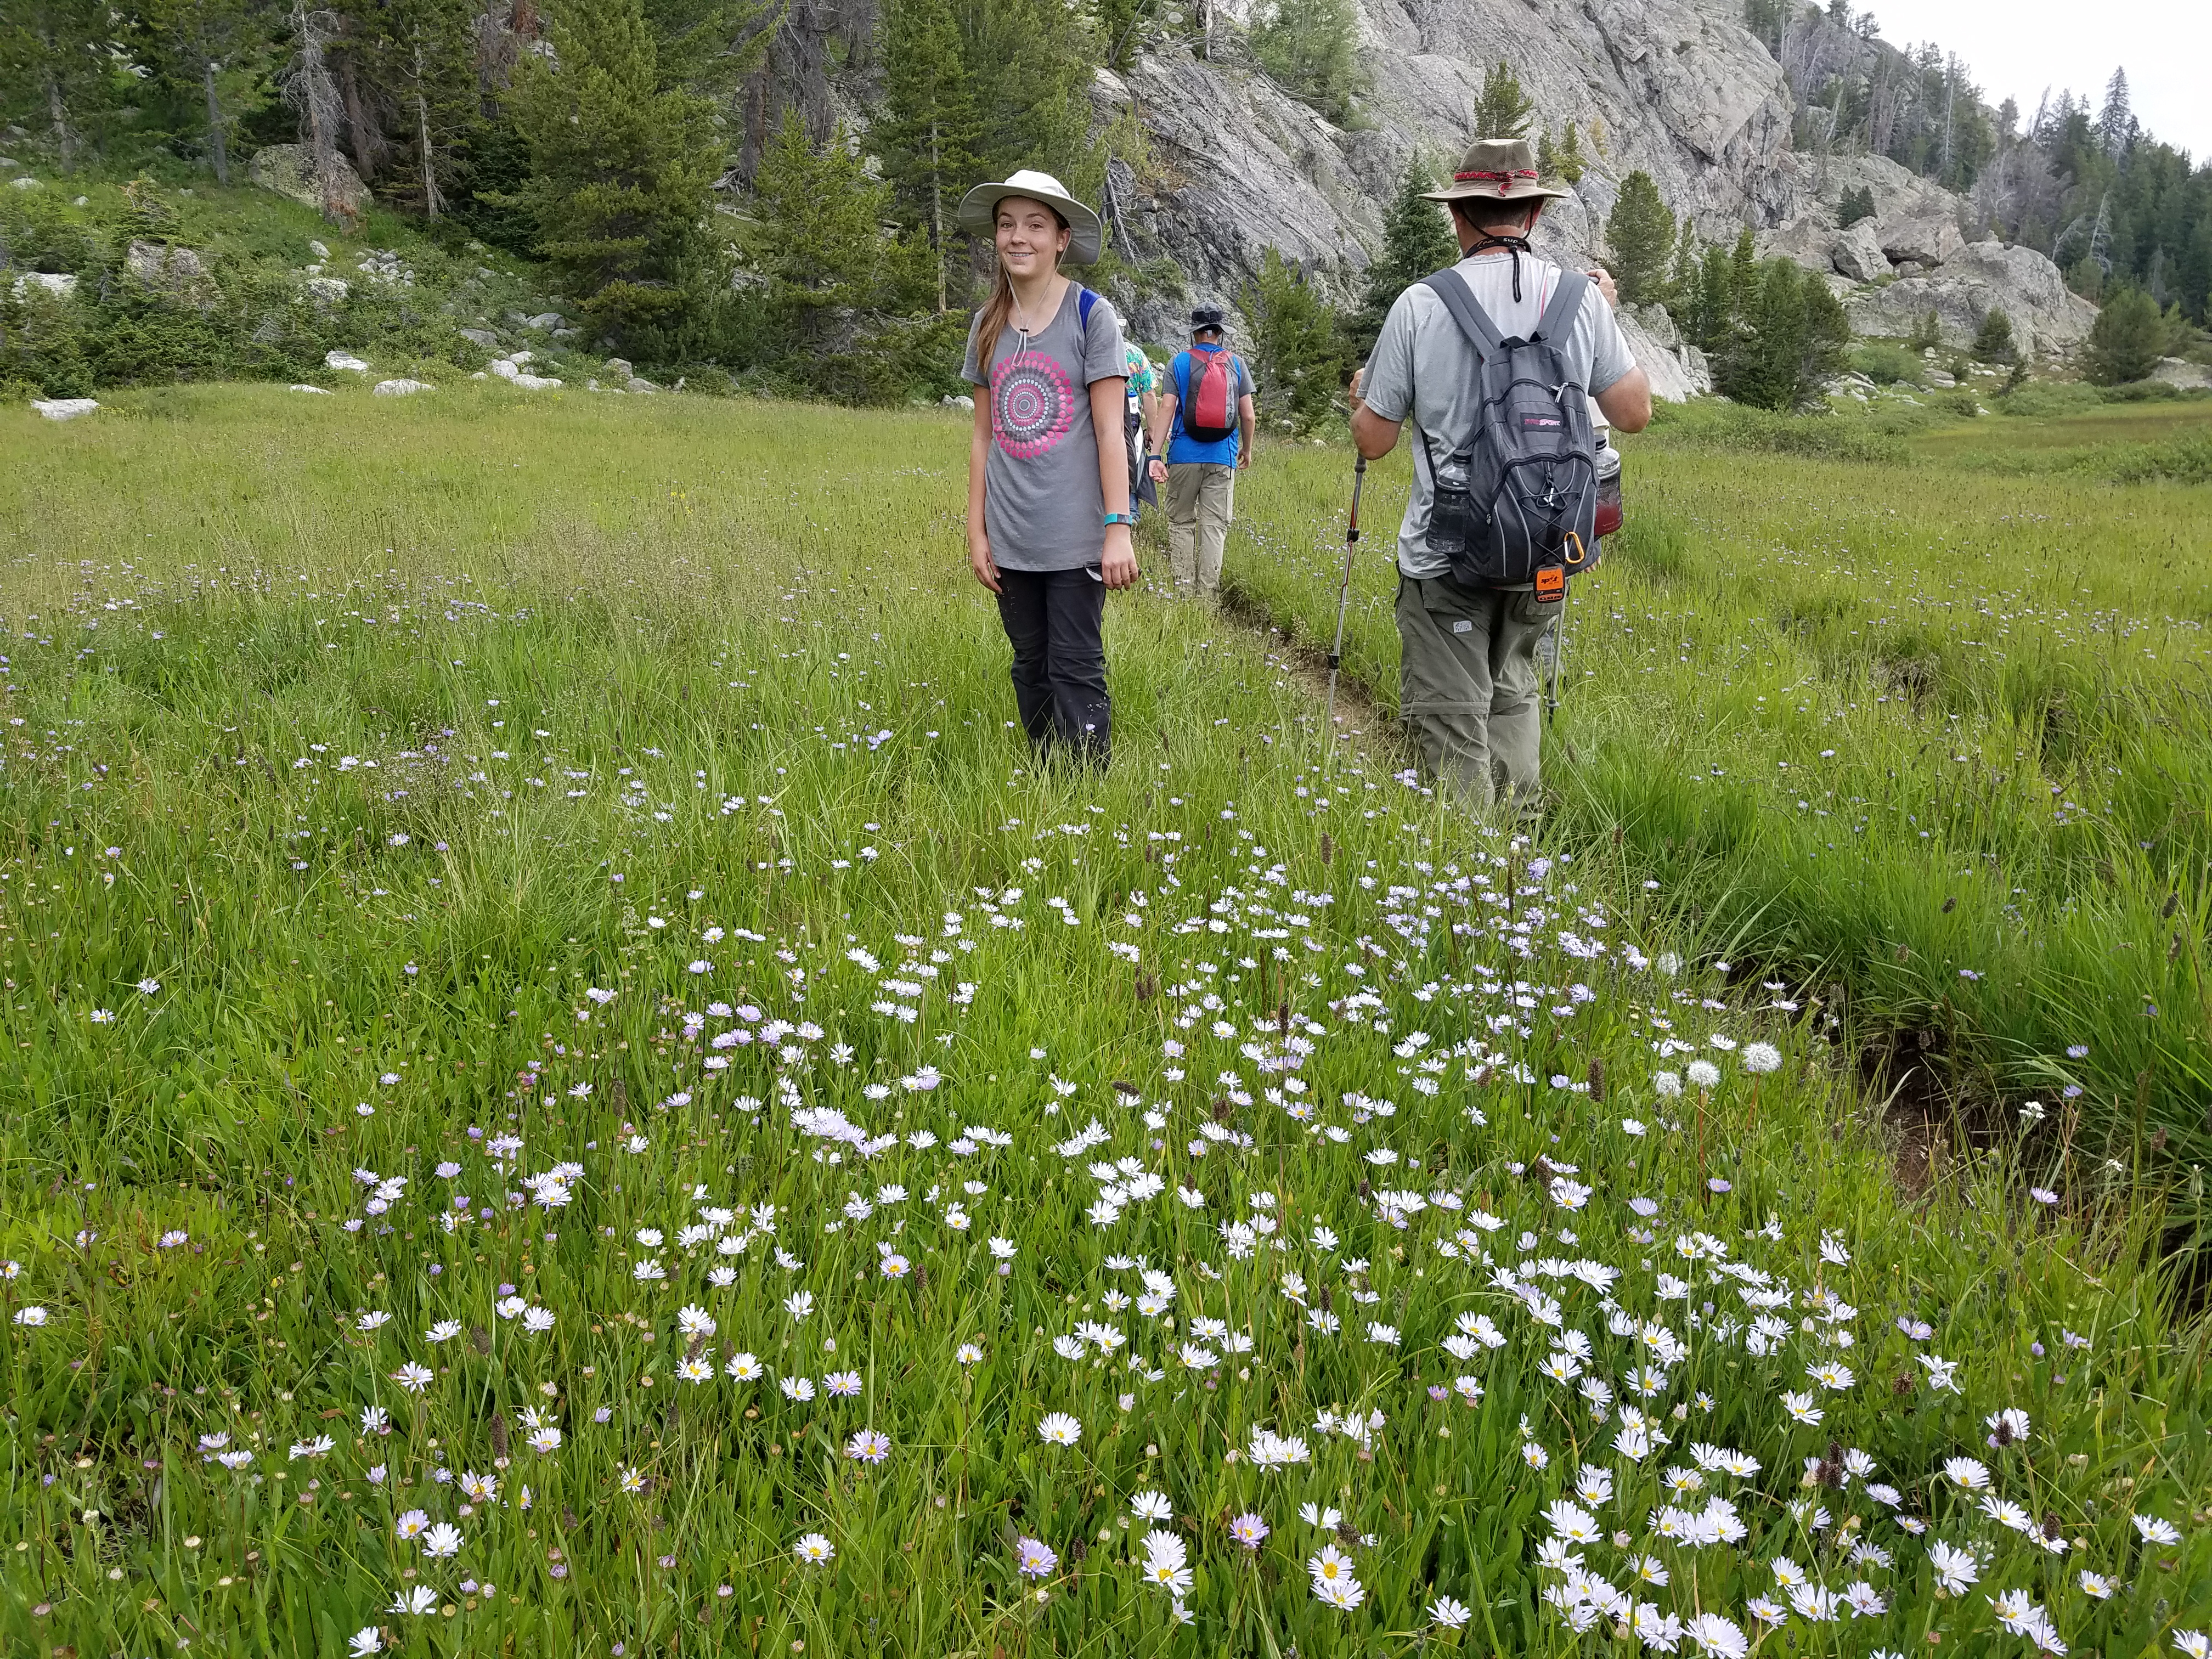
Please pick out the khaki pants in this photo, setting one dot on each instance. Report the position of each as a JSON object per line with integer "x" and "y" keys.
{"x": 1201, "y": 499}
{"x": 1467, "y": 685}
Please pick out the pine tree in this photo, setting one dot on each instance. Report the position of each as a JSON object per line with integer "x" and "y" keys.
{"x": 1765, "y": 365}
{"x": 1766, "y": 18}
{"x": 1641, "y": 233}
{"x": 1993, "y": 341}
{"x": 2116, "y": 122}
{"x": 1682, "y": 280}
{"x": 2127, "y": 339}
{"x": 621, "y": 169}
{"x": 421, "y": 57}
{"x": 1298, "y": 349}
{"x": 1826, "y": 348}
{"x": 211, "y": 54}
{"x": 58, "y": 61}
{"x": 1029, "y": 72}
{"x": 1743, "y": 273}
{"x": 1310, "y": 47}
{"x": 1710, "y": 322}
{"x": 1417, "y": 240}
{"x": 707, "y": 46}
{"x": 821, "y": 243}
{"x": 1500, "y": 110}
{"x": 1856, "y": 204}
{"x": 1571, "y": 156}
{"x": 928, "y": 134}
{"x": 1547, "y": 156}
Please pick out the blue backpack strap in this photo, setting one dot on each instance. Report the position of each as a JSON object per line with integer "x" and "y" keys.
{"x": 1559, "y": 318}
{"x": 1085, "y": 299}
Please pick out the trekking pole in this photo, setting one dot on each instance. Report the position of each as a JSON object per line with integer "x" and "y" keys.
{"x": 1558, "y": 645}
{"x": 1560, "y": 630}
{"x": 1343, "y": 598}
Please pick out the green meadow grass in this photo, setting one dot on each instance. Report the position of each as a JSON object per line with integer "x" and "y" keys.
{"x": 1939, "y": 738}
{"x": 391, "y": 779}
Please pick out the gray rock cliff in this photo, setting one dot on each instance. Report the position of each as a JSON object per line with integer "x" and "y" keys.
{"x": 1232, "y": 166}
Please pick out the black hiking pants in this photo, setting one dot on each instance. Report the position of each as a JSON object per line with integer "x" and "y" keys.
{"x": 1053, "y": 619}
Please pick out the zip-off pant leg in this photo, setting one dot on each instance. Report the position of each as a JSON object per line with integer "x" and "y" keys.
{"x": 1201, "y": 501}
{"x": 1468, "y": 686}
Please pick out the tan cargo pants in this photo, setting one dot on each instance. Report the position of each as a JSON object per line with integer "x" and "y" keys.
{"x": 1201, "y": 499}
{"x": 1467, "y": 686}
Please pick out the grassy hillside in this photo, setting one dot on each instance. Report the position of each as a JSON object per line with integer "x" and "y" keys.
{"x": 248, "y": 296}
{"x": 552, "y": 1011}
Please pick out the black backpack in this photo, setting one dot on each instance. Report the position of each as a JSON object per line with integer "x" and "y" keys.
{"x": 1518, "y": 504}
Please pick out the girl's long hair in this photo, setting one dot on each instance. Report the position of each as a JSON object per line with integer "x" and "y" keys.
{"x": 1001, "y": 306}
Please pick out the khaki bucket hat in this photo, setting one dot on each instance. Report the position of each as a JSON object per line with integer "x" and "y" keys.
{"x": 979, "y": 210}
{"x": 1496, "y": 170}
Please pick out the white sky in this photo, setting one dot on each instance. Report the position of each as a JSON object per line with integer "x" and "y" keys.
{"x": 2018, "y": 47}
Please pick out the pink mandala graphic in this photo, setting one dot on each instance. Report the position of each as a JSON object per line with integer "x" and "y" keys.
{"x": 1032, "y": 405}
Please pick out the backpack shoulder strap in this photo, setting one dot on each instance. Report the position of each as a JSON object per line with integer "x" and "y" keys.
{"x": 1474, "y": 321}
{"x": 1085, "y": 299}
{"x": 1559, "y": 318}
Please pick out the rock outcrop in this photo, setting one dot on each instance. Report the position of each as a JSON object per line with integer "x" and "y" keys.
{"x": 1982, "y": 276}
{"x": 59, "y": 284}
{"x": 1677, "y": 369}
{"x": 2181, "y": 372}
{"x": 1922, "y": 239}
{"x": 1857, "y": 254}
{"x": 288, "y": 169}
{"x": 178, "y": 273}
{"x": 1232, "y": 166}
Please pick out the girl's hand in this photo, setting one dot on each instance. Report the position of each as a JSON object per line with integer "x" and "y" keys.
{"x": 1159, "y": 470}
{"x": 1118, "y": 569}
{"x": 980, "y": 562}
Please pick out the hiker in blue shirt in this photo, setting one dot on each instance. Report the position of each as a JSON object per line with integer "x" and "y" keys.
{"x": 1204, "y": 419}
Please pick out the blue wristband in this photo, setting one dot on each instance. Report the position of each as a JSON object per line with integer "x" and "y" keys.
{"x": 1119, "y": 518}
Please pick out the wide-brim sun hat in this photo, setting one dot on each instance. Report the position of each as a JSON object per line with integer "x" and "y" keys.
{"x": 1496, "y": 170}
{"x": 979, "y": 210}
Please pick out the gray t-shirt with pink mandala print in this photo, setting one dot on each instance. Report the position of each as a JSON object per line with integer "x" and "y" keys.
{"x": 1041, "y": 504}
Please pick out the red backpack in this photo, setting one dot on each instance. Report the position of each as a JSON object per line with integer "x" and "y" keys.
{"x": 1209, "y": 412}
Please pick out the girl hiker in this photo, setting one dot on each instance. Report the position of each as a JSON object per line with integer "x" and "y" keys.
{"x": 1048, "y": 512}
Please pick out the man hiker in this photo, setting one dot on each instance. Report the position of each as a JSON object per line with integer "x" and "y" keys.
{"x": 1468, "y": 683}
{"x": 1202, "y": 434}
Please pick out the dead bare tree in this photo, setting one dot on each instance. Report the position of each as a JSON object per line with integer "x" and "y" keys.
{"x": 309, "y": 89}
{"x": 432, "y": 199}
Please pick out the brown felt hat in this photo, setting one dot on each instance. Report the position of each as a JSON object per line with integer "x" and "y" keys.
{"x": 1496, "y": 170}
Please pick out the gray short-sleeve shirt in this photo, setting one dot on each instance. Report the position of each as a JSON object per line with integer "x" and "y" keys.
{"x": 1423, "y": 366}
{"x": 1042, "y": 506}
